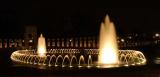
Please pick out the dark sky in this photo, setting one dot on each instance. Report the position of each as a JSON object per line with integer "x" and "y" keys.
{"x": 73, "y": 19}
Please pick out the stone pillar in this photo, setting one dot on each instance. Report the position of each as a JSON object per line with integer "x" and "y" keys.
{"x": 81, "y": 42}
{"x": 94, "y": 42}
{"x": 85, "y": 42}
{"x": 67, "y": 43}
{"x": 76, "y": 42}
{"x": 58, "y": 42}
{"x": 10, "y": 42}
{"x": 62, "y": 40}
{"x": 5, "y": 43}
{"x": 15, "y": 43}
{"x": 20, "y": 43}
{"x": 72, "y": 42}
{"x": 0, "y": 43}
{"x": 48, "y": 43}
{"x": 53, "y": 43}
{"x": 89, "y": 42}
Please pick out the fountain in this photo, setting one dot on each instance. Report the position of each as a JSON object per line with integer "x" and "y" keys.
{"x": 41, "y": 46}
{"x": 108, "y": 54}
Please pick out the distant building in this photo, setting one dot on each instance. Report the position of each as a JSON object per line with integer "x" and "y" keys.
{"x": 30, "y": 37}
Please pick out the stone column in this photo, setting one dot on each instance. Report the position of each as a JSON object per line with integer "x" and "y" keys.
{"x": 89, "y": 42}
{"x": 0, "y": 43}
{"x": 62, "y": 40}
{"x": 67, "y": 43}
{"x": 72, "y": 42}
{"x": 94, "y": 42}
{"x": 5, "y": 43}
{"x": 53, "y": 43}
{"x": 58, "y": 42}
{"x": 85, "y": 42}
{"x": 76, "y": 42}
{"x": 48, "y": 43}
{"x": 81, "y": 42}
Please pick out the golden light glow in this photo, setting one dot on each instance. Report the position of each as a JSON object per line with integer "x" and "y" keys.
{"x": 41, "y": 46}
{"x": 108, "y": 54}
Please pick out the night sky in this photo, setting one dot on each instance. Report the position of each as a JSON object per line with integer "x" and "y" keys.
{"x": 72, "y": 19}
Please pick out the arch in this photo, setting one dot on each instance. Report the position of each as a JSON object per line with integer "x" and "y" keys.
{"x": 81, "y": 59}
{"x": 51, "y": 59}
{"x": 59, "y": 57}
{"x": 66, "y": 57}
{"x": 72, "y": 59}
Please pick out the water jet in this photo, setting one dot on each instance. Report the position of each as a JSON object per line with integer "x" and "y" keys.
{"x": 108, "y": 53}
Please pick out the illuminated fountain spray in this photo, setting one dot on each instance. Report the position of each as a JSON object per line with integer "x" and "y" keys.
{"x": 108, "y": 54}
{"x": 41, "y": 46}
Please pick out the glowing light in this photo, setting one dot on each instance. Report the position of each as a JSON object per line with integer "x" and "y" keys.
{"x": 130, "y": 37}
{"x": 41, "y": 46}
{"x": 109, "y": 56}
{"x": 157, "y": 34}
{"x": 126, "y": 58}
{"x": 108, "y": 44}
{"x": 122, "y": 40}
